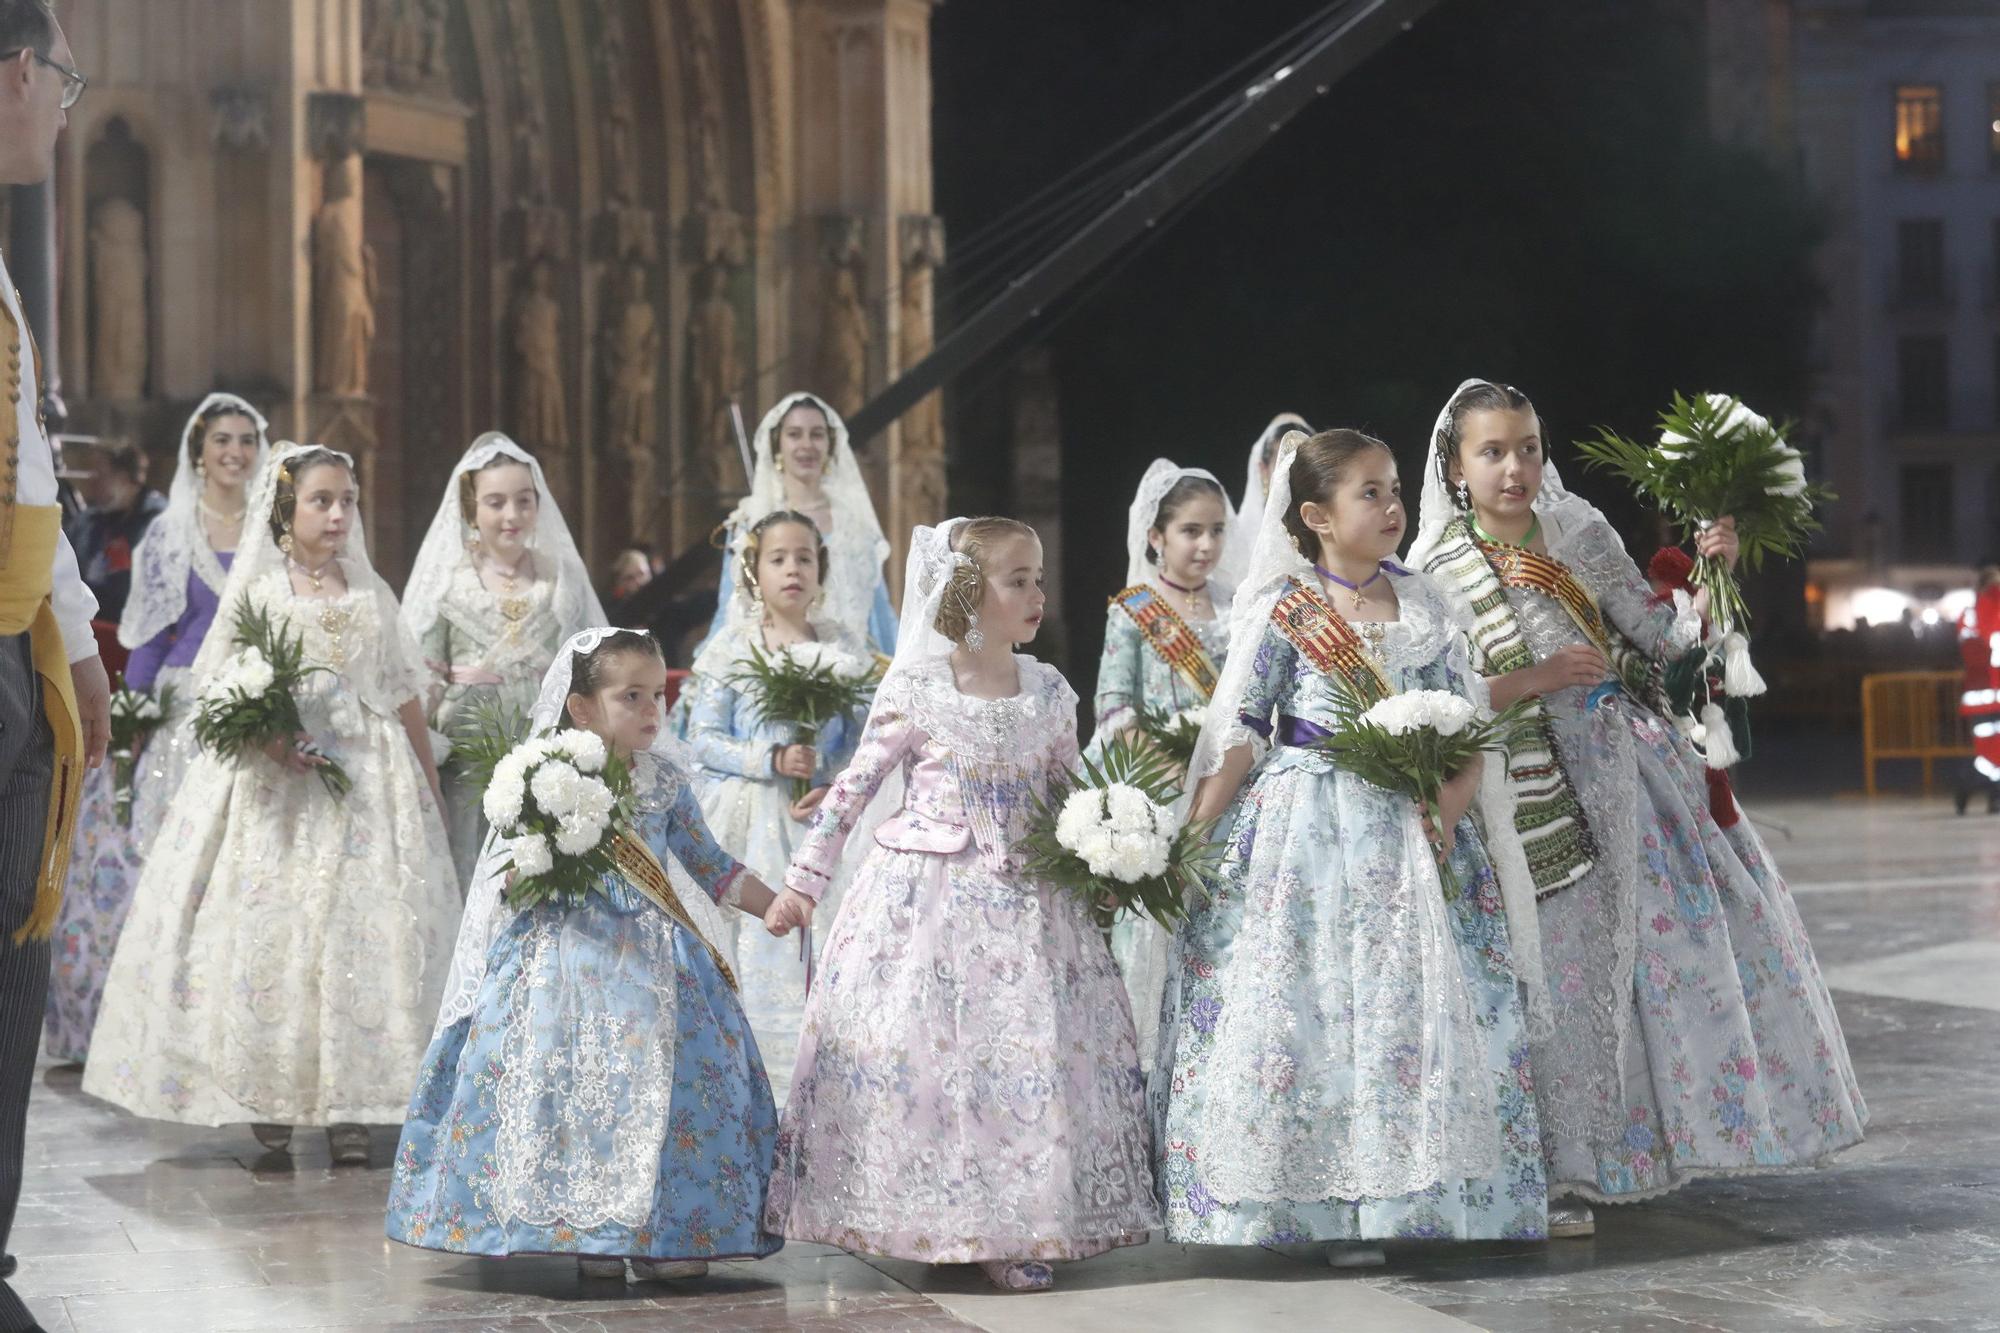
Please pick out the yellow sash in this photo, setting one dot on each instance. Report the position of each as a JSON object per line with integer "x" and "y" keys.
{"x": 644, "y": 872}
{"x": 28, "y": 536}
{"x": 25, "y": 578}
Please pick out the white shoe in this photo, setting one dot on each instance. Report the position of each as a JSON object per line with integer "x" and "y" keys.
{"x": 1571, "y": 1220}
{"x": 587, "y": 1266}
{"x": 668, "y": 1270}
{"x": 1354, "y": 1254}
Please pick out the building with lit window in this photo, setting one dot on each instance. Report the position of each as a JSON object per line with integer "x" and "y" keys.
{"x": 1890, "y": 109}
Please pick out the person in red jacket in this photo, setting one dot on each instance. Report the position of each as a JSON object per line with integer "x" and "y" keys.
{"x": 1979, "y": 705}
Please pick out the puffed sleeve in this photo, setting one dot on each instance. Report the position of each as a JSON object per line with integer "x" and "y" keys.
{"x": 1270, "y": 682}
{"x": 712, "y": 734}
{"x": 1599, "y": 558}
{"x": 1121, "y": 674}
{"x": 891, "y": 733}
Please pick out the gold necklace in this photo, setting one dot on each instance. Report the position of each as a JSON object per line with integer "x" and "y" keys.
{"x": 315, "y": 575}
{"x": 513, "y": 606}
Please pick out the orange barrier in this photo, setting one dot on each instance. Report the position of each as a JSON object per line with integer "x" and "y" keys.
{"x": 1912, "y": 715}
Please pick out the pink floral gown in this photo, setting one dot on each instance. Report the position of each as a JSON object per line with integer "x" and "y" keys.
{"x": 968, "y": 1084}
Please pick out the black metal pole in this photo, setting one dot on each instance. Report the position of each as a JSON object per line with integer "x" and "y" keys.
{"x": 1262, "y": 109}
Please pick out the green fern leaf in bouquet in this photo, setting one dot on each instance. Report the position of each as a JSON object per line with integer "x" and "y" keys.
{"x": 1109, "y": 836}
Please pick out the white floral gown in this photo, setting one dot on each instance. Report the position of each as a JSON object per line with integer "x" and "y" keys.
{"x": 286, "y": 949}
{"x": 967, "y": 1087}
{"x": 513, "y": 637}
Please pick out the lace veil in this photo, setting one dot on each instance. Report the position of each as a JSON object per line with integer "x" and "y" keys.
{"x": 176, "y": 545}
{"x": 856, "y": 547}
{"x": 1244, "y": 538}
{"x": 1161, "y": 477}
{"x": 1561, "y": 512}
{"x": 446, "y": 543}
{"x": 383, "y": 681}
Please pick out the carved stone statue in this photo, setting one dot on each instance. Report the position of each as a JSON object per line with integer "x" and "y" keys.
{"x": 403, "y": 46}
{"x": 920, "y": 458}
{"x": 343, "y": 285}
{"x": 843, "y": 339}
{"x": 715, "y": 375}
{"x": 541, "y": 412}
{"x": 614, "y": 84}
{"x": 119, "y": 333}
{"x": 711, "y": 185}
{"x": 631, "y": 354}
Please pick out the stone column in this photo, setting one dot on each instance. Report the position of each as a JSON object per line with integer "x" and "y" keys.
{"x": 31, "y": 260}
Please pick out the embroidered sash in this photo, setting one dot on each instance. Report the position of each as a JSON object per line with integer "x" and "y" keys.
{"x": 1554, "y": 833}
{"x": 1324, "y": 638}
{"x": 644, "y": 872}
{"x": 1169, "y": 636}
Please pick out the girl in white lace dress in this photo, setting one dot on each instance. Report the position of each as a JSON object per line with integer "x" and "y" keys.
{"x": 967, "y": 1089}
{"x": 1343, "y": 1051}
{"x": 287, "y": 947}
{"x": 746, "y": 763}
{"x": 496, "y": 588}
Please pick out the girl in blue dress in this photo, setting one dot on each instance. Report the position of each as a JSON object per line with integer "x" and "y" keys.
{"x": 1344, "y": 1051}
{"x": 746, "y": 762}
{"x": 593, "y": 1087}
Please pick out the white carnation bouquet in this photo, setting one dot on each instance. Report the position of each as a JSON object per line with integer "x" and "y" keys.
{"x": 807, "y": 685}
{"x": 251, "y": 699}
{"x": 557, "y": 800}
{"x": 1110, "y": 836}
{"x": 1716, "y": 457}
{"x": 1414, "y": 741}
{"x": 135, "y": 716}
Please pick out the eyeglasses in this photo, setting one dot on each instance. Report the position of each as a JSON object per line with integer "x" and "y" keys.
{"x": 73, "y": 82}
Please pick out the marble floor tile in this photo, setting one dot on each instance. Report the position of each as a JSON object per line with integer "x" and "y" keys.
{"x": 129, "y": 1226}
{"x": 1965, "y": 972}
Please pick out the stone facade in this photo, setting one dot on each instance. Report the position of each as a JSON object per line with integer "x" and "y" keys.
{"x": 397, "y": 223}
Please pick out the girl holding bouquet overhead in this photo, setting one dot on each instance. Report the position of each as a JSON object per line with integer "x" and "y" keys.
{"x": 592, "y": 1087}
{"x": 496, "y": 587}
{"x": 1165, "y": 637}
{"x": 288, "y": 940}
{"x": 177, "y": 576}
{"x": 1344, "y": 1052}
{"x": 759, "y": 773}
{"x": 967, "y": 1089}
{"x": 1693, "y": 1035}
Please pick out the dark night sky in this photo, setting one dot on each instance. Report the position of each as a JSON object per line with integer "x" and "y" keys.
{"x": 1518, "y": 189}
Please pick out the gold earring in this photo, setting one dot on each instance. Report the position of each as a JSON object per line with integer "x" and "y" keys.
{"x": 285, "y": 541}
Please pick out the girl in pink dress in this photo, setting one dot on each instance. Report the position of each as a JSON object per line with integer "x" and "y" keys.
{"x": 967, "y": 1087}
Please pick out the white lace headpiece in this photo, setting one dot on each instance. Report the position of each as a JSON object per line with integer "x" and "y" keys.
{"x": 399, "y": 674}
{"x": 1274, "y": 559}
{"x": 1162, "y": 476}
{"x": 1560, "y": 510}
{"x": 447, "y": 544}
{"x": 1243, "y": 537}
{"x": 856, "y": 547}
{"x": 926, "y": 576}
{"x": 176, "y": 545}
{"x": 658, "y": 777}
